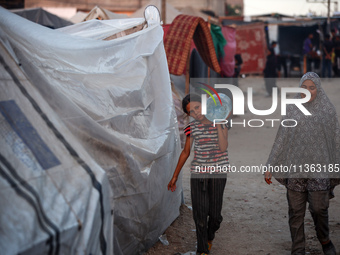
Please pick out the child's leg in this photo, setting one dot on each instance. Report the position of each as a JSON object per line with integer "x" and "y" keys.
{"x": 200, "y": 209}
{"x": 216, "y": 189}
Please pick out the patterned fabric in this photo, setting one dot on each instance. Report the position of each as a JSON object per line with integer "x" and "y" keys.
{"x": 177, "y": 43}
{"x": 315, "y": 140}
{"x": 208, "y": 158}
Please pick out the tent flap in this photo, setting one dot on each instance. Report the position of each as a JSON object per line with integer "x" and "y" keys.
{"x": 115, "y": 98}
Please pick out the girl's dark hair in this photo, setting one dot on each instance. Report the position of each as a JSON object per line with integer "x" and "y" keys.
{"x": 186, "y": 100}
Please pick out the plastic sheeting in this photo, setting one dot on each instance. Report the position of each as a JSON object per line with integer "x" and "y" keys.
{"x": 42, "y": 17}
{"x": 54, "y": 198}
{"x": 115, "y": 97}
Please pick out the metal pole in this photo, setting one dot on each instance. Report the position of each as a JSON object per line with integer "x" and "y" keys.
{"x": 328, "y": 16}
{"x": 335, "y": 6}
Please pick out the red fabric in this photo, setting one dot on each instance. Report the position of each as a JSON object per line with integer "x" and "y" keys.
{"x": 178, "y": 41}
{"x": 228, "y": 62}
{"x": 251, "y": 44}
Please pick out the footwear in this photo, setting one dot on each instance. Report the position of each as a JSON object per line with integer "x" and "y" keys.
{"x": 328, "y": 248}
{"x": 209, "y": 245}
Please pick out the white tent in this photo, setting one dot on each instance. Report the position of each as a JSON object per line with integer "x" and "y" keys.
{"x": 115, "y": 98}
{"x": 54, "y": 197}
{"x": 78, "y": 17}
{"x": 96, "y": 13}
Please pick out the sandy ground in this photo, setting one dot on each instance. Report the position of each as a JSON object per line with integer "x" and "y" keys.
{"x": 255, "y": 214}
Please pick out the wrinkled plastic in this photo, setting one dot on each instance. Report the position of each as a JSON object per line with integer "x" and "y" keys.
{"x": 115, "y": 98}
{"x": 101, "y": 29}
{"x": 54, "y": 197}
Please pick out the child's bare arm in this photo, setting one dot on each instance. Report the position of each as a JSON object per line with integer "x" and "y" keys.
{"x": 181, "y": 161}
{"x": 222, "y": 137}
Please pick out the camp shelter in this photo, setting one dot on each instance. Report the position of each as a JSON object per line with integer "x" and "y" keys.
{"x": 78, "y": 17}
{"x": 55, "y": 199}
{"x": 268, "y": 17}
{"x": 290, "y": 36}
{"x": 105, "y": 30}
{"x": 114, "y": 96}
{"x": 283, "y": 32}
{"x": 97, "y": 13}
{"x": 170, "y": 15}
{"x": 42, "y": 17}
{"x": 251, "y": 44}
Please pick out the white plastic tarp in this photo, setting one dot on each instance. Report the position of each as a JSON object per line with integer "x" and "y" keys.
{"x": 115, "y": 97}
{"x": 42, "y": 17}
{"x": 54, "y": 197}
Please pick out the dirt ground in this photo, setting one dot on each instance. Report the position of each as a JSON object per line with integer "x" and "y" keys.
{"x": 255, "y": 214}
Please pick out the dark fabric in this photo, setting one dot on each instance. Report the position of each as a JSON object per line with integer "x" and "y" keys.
{"x": 207, "y": 201}
{"x": 318, "y": 207}
{"x": 326, "y": 68}
{"x": 328, "y": 45}
{"x": 42, "y": 17}
{"x": 270, "y": 84}
{"x": 306, "y": 46}
{"x": 198, "y": 69}
{"x": 337, "y": 48}
{"x": 270, "y": 70}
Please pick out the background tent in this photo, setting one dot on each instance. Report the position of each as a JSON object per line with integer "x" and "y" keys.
{"x": 42, "y": 17}
{"x": 115, "y": 98}
{"x": 78, "y": 17}
{"x": 96, "y": 13}
{"x": 103, "y": 14}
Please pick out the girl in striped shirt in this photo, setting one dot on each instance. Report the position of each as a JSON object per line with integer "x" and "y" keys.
{"x": 208, "y": 171}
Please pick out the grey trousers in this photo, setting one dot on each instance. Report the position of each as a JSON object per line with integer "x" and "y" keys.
{"x": 318, "y": 207}
{"x": 207, "y": 201}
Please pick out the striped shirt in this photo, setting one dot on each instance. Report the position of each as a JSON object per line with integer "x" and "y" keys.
{"x": 208, "y": 157}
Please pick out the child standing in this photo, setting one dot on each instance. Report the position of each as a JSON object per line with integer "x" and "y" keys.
{"x": 208, "y": 171}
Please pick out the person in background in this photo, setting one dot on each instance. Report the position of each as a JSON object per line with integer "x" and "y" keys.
{"x": 336, "y": 63}
{"x": 328, "y": 50}
{"x": 308, "y": 50}
{"x": 270, "y": 70}
{"x": 333, "y": 35}
{"x": 237, "y": 69}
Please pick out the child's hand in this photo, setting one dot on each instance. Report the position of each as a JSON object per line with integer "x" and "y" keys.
{"x": 268, "y": 177}
{"x": 172, "y": 184}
